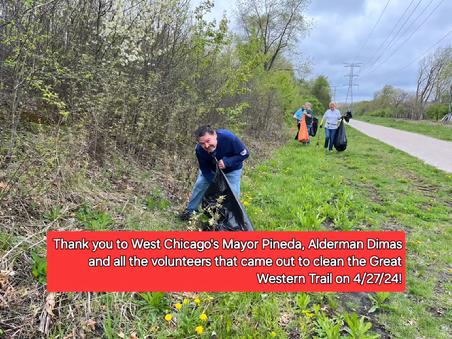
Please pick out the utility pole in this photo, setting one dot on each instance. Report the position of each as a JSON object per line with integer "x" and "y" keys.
{"x": 334, "y": 92}
{"x": 351, "y": 75}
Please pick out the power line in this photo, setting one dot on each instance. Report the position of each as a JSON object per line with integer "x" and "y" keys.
{"x": 397, "y": 33}
{"x": 372, "y": 62}
{"x": 372, "y": 30}
{"x": 428, "y": 50}
{"x": 409, "y": 37}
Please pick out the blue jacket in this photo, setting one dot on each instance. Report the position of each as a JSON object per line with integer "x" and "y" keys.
{"x": 298, "y": 114}
{"x": 230, "y": 149}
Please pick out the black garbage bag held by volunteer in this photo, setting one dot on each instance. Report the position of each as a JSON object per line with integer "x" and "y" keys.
{"x": 221, "y": 201}
{"x": 348, "y": 116}
{"x": 340, "y": 139}
{"x": 315, "y": 125}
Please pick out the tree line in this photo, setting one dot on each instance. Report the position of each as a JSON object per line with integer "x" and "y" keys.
{"x": 431, "y": 99}
{"x": 138, "y": 76}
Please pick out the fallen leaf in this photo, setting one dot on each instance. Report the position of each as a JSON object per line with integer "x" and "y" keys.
{"x": 50, "y": 303}
{"x": 284, "y": 318}
{"x": 3, "y": 278}
{"x": 91, "y": 324}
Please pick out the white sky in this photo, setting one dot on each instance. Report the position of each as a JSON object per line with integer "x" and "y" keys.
{"x": 341, "y": 33}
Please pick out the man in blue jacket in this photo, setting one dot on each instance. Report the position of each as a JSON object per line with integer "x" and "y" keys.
{"x": 221, "y": 145}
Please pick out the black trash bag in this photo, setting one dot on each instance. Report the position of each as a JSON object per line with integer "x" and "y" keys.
{"x": 219, "y": 199}
{"x": 340, "y": 139}
{"x": 348, "y": 116}
{"x": 315, "y": 125}
{"x": 298, "y": 129}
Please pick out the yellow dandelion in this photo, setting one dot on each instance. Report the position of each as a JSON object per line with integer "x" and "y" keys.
{"x": 308, "y": 314}
{"x": 178, "y": 306}
{"x": 197, "y": 301}
{"x": 273, "y": 334}
{"x": 203, "y": 317}
{"x": 185, "y": 302}
{"x": 199, "y": 329}
{"x": 168, "y": 317}
{"x": 246, "y": 203}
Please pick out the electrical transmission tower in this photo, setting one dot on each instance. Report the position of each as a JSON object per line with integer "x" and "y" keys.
{"x": 351, "y": 76}
{"x": 334, "y": 92}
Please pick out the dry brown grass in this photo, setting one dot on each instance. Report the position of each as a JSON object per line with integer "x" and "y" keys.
{"x": 42, "y": 190}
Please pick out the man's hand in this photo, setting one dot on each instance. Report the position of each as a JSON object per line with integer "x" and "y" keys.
{"x": 221, "y": 164}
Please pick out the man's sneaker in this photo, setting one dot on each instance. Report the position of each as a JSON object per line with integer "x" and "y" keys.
{"x": 185, "y": 215}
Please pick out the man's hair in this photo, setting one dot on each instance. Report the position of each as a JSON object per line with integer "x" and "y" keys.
{"x": 203, "y": 130}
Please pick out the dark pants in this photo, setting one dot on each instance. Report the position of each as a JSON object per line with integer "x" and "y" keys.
{"x": 329, "y": 138}
{"x": 298, "y": 129}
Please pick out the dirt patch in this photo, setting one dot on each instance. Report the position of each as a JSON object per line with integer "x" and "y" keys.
{"x": 20, "y": 306}
{"x": 437, "y": 312}
{"x": 359, "y": 302}
{"x": 420, "y": 185}
{"x": 440, "y": 289}
{"x": 287, "y": 322}
{"x": 374, "y": 194}
{"x": 328, "y": 224}
{"x": 370, "y": 191}
{"x": 443, "y": 278}
{"x": 393, "y": 225}
{"x": 293, "y": 333}
{"x": 426, "y": 190}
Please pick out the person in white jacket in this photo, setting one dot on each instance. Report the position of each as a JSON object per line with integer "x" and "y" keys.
{"x": 331, "y": 119}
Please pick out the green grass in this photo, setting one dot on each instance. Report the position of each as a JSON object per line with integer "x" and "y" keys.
{"x": 370, "y": 186}
{"x": 426, "y": 127}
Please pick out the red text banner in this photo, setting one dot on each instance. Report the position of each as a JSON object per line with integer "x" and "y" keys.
{"x": 129, "y": 261}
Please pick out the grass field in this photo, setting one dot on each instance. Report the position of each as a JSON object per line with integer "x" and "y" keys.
{"x": 370, "y": 186}
{"x": 425, "y": 127}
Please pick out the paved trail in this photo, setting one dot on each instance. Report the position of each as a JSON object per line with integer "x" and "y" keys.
{"x": 437, "y": 153}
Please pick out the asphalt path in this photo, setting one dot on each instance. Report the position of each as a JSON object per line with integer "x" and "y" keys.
{"x": 435, "y": 152}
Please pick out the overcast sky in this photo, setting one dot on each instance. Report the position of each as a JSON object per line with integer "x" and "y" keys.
{"x": 342, "y": 33}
